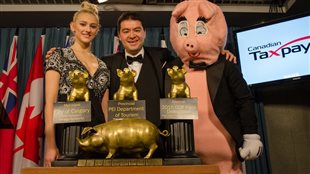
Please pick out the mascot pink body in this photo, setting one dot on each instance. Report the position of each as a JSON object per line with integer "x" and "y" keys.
{"x": 198, "y": 33}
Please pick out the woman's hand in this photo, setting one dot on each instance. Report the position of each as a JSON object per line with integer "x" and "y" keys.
{"x": 51, "y": 154}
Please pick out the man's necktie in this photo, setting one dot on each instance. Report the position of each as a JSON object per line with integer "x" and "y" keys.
{"x": 130, "y": 59}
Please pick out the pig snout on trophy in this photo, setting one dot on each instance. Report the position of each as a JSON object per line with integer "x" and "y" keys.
{"x": 92, "y": 144}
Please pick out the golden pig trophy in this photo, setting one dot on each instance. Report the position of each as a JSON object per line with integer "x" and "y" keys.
{"x": 181, "y": 123}
{"x": 179, "y": 88}
{"x": 131, "y": 135}
{"x": 127, "y": 89}
{"x": 79, "y": 91}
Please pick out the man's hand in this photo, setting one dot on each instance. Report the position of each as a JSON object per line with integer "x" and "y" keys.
{"x": 49, "y": 53}
{"x": 229, "y": 56}
{"x": 252, "y": 147}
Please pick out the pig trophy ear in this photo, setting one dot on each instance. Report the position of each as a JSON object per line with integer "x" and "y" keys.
{"x": 87, "y": 130}
{"x": 71, "y": 74}
{"x": 175, "y": 68}
{"x": 119, "y": 72}
{"x": 134, "y": 73}
{"x": 183, "y": 70}
{"x": 85, "y": 74}
{"x": 170, "y": 71}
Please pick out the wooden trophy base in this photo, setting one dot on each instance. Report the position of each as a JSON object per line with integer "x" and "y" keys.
{"x": 108, "y": 162}
{"x": 126, "y": 162}
{"x": 64, "y": 163}
{"x": 182, "y": 161}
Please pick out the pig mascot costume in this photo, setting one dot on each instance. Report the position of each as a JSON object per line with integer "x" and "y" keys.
{"x": 226, "y": 130}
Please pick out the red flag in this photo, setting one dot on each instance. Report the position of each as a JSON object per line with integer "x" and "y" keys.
{"x": 8, "y": 116}
{"x": 29, "y": 131}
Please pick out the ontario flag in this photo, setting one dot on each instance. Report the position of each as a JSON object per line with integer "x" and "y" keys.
{"x": 8, "y": 109}
{"x": 29, "y": 131}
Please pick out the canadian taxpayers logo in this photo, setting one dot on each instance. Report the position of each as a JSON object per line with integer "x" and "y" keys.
{"x": 290, "y": 47}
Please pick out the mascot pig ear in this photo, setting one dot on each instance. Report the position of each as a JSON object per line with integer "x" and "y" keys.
{"x": 217, "y": 20}
{"x": 206, "y": 13}
{"x": 181, "y": 9}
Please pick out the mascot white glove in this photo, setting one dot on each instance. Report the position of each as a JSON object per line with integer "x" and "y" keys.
{"x": 252, "y": 147}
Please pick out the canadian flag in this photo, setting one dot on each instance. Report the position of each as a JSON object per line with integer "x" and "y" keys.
{"x": 29, "y": 130}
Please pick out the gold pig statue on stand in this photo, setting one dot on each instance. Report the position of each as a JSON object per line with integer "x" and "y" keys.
{"x": 79, "y": 91}
{"x": 131, "y": 135}
{"x": 179, "y": 88}
{"x": 127, "y": 89}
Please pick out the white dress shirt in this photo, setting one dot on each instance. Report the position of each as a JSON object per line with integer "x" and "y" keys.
{"x": 135, "y": 65}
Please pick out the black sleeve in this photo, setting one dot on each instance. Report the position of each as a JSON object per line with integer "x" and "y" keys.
{"x": 244, "y": 100}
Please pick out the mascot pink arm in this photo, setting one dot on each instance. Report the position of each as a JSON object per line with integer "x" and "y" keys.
{"x": 198, "y": 33}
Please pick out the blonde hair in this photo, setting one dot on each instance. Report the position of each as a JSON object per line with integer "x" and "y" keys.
{"x": 87, "y": 7}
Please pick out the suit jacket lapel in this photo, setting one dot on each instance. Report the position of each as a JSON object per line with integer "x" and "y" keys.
{"x": 154, "y": 56}
{"x": 123, "y": 62}
{"x": 119, "y": 63}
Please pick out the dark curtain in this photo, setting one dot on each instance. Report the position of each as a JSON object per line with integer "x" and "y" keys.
{"x": 6, "y": 36}
{"x": 103, "y": 43}
{"x": 28, "y": 39}
{"x": 55, "y": 37}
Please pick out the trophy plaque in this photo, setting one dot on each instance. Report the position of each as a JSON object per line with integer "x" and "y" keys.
{"x": 178, "y": 111}
{"x": 125, "y": 103}
{"x": 69, "y": 117}
{"x": 120, "y": 109}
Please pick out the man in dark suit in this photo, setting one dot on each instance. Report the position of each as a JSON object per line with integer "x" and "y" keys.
{"x": 147, "y": 62}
